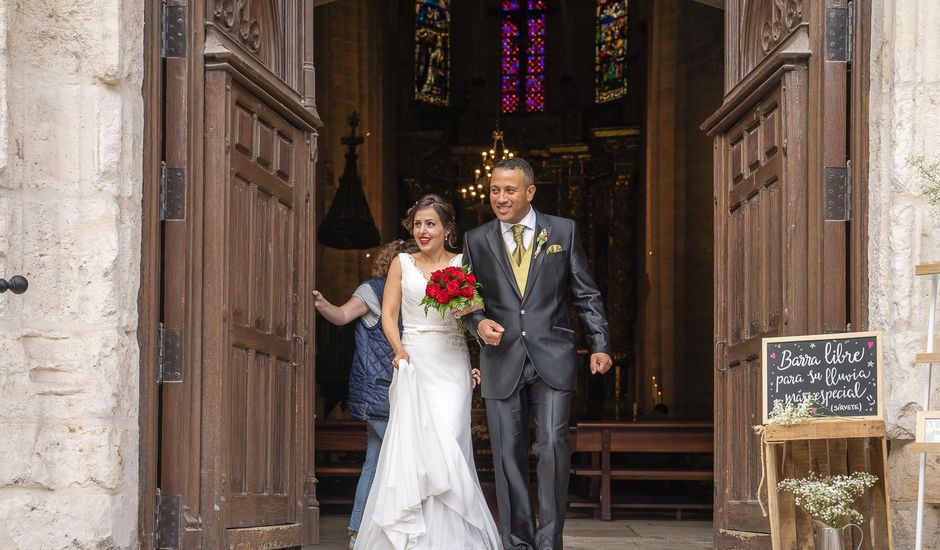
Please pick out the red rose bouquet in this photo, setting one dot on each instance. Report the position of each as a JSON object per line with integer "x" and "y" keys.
{"x": 451, "y": 288}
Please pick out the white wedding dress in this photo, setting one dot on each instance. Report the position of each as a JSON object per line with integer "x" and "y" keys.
{"x": 426, "y": 494}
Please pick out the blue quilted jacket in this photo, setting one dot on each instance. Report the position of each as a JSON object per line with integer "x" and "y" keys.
{"x": 371, "y": 372}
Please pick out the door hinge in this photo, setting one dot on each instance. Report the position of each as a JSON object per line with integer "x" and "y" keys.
{"x": 838, "y": 34}
{"x": 166, "y": 530}
{"x": 848, "y": 190}
{"x": 838, "y": 192}
{"x": 173, "y": 25}
{"x": 850, "y": 34}
{"x": 170, "y": 355}
{"x": 172, "y": 193}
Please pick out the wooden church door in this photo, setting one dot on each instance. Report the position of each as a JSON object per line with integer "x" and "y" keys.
{"x": 237, "y": 398}
{"x": 789, "y": 215}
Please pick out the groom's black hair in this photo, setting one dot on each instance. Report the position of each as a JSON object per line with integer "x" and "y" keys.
{"x": 518, "y": 163}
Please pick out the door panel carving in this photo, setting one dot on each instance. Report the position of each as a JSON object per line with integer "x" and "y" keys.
{"x": 759, "y": 26}
{"x": 754, "y": 223}
{"x": 783, "y": 17}
{"x": 240, "y": 19}
{"x": 266, "y": 30}
{"x": 261, "y": 383}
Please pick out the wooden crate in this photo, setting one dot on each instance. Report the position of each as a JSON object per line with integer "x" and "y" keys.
{"x": 827, "y": 447}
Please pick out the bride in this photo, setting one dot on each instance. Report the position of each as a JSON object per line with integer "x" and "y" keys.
{"x": 426, "y": 494}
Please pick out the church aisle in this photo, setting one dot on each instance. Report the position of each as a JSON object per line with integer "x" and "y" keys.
{"x": 583, "y": 534}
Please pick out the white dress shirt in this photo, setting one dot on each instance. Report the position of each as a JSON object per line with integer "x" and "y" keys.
{"x": 529, "y": 222}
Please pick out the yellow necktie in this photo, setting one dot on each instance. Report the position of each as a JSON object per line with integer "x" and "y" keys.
{"x": 517, "y": 231}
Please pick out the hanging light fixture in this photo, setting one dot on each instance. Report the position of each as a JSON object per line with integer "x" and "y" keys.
{"x": 349, "y": 223}
{"x": 497, "y": 152}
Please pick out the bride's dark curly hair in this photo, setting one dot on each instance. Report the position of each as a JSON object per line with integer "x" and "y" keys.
{"x": 445, "y": 211}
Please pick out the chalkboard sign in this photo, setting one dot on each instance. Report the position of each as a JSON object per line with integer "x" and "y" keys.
{"x": 842, "y": 370}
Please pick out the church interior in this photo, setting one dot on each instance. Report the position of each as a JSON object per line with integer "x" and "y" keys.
{"x": 605, "y": 100}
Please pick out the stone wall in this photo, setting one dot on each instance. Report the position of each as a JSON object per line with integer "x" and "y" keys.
{"x": 905, "y": 121}
{"x": 71, "y": 131}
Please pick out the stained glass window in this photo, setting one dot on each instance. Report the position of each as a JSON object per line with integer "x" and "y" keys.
{"x": 432, "y": 51}
{"x": 522, "y": 70}
{"x": 611, "y": 50}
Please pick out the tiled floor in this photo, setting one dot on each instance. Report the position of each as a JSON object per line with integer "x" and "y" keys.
{"x": 584, "y": 534}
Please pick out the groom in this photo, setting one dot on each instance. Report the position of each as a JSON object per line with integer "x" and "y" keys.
{"x": 531, "y": 267}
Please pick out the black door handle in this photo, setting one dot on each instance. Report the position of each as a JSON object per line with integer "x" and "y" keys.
{"x": 17, "y": 284}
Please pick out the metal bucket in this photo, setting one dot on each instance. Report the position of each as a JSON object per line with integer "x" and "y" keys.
{"x": 830, "y": 538}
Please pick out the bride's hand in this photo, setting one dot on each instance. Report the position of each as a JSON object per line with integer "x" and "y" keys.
{"x": 398, "y": 357}
{"x": 475, "y": 378}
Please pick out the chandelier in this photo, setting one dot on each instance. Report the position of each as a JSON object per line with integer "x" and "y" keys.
{"x": 481, "y": 176}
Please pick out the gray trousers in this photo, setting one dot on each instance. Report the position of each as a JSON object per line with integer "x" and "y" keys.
{"x": 508, "y": 421}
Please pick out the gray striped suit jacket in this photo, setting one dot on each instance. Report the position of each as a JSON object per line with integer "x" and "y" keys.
{"x": 537, "y": 324}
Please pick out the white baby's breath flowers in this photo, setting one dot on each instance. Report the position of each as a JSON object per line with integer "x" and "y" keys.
{"x": 829, "y": 499}
{"x": 795, "y": 413}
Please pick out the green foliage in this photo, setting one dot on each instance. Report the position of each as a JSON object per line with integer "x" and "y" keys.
{"x": 929, "y": 172}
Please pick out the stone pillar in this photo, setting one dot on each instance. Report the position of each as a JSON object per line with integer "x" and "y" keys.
{"x": 657, "y": 278}
{"x": 905, "y": 121}
{"x": 71, "y": 134}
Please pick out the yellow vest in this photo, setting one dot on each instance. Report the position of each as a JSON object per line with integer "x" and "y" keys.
{"x": 521, "y": 272}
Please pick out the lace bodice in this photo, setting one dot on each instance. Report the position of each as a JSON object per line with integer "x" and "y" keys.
{"x": 413, "y": 285}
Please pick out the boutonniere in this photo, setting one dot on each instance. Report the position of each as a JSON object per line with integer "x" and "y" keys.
{"x": 540, "y": 240}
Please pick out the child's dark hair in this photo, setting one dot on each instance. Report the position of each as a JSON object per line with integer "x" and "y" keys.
{"x": 387, "y": 253}
{"x": 445, "y": 211}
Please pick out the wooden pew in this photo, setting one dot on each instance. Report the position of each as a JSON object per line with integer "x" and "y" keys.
{"x": 602, "y": 439}
{"x": 338, "y": 436}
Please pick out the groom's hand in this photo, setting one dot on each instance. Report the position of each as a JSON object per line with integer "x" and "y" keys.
{"x": 490, "y": 332}
{"x": 600, "y": 363}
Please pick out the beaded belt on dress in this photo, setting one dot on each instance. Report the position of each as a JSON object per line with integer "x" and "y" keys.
{"x": 438, "y": 329}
